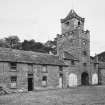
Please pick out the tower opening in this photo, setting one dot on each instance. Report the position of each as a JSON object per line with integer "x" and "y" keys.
{"x": 85, "y": 78}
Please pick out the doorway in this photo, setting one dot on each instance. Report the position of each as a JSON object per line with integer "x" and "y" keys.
{"x": 72, "y": 80}
{"x": 30, "y": 82}
{"x": 85, "y": 78}
{"x": 60, "y": 80}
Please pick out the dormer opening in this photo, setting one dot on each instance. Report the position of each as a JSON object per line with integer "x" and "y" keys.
{"x": 67, "y": 23}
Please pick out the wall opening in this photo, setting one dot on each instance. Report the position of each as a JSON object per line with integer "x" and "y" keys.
{"x": 85, "y": 78}
{"x": 30, "y": 82}
{"x": 94, "y": 79}
{"x": 44, "y": 81}
{"x": 60, "y": 80}
{"x": 72, "y": 80}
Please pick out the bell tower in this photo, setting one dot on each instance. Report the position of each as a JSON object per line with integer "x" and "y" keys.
{"x": 73, "y": 38}
{"x": 71, "y": 22}
{"x": 74, "y": 44}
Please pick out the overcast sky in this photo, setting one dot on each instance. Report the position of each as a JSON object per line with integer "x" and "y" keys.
{"x": 40, "y": 19}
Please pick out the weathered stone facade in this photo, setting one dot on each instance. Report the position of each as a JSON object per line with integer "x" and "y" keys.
{"x": 21, "y": 73}
{"x": 71, "y": 67}
{"x": 75, "y": 42}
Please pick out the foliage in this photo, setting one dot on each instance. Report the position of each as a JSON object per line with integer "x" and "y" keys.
{"x": 28, "y": 45}
{"x": 12, "y": 42}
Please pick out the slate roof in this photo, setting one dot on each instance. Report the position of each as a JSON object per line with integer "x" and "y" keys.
{"x": 72, "y": 14}
{"x": 101, "y": 65}
{"x": 12, "y": 55}
{"x": 68, "y": 56}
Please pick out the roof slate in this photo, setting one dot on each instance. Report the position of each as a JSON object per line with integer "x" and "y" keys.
{"x": 68, "y": 56}
{"x": 72, "y": 14}
{"x": 101, "y": 65}
{"x": 12, "y": 55}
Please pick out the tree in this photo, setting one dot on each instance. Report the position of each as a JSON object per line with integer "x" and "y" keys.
{"x": 2, "y": 43}
{"x": 31, "y": 45}
{"x": 52, "y": 45}
{"x": 13, "y": 42}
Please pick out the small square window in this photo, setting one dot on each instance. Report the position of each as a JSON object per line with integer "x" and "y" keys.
{"x": 84, "y": 53}
{"x": 13, "y": 81}
{"x": 13, "y": 78}
{"x": 44, "y": 81}
{"x": 13, "y": 66}
{"x": 72, "y": 62}
{"x": 85, "y": 64}
{"x": 44, "y": 69}
{"x": 67, "y": 23}
{"x": 60, "y": 68}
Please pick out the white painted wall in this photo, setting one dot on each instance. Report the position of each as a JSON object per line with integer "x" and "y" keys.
{"x": 60, "y": 82}
{"x": 72, "y": 80}
{"x": 94, "y": 79}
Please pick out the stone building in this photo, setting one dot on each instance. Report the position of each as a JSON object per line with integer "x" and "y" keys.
{"x": 71, "y": 67}
{"x": 29, "y": 70}
{"x": 73, "y": 47}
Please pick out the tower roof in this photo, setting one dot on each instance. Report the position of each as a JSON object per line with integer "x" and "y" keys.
{"x": 72, "y": 14}
{"x": 69, "y": 56}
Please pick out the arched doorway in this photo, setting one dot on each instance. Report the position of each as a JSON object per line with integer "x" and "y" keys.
{"x": 72, "y": 80}
{"x": 85, "y": 78}
{"x": 94, "y": 79}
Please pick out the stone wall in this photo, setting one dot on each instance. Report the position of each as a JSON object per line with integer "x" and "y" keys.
{"x": 4, "y": 74}
{"x": 102, "y": 76}
{"x": 22, "y": 70}
{"x": 53, "y": 76}
{"x": 22, "y": 75}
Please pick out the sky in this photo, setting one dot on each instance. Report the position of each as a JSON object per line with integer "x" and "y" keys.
{"x": 40, "y": 19}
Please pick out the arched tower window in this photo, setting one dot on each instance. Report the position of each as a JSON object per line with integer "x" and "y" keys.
{"x": 79, "y": 23}
{"x": 67, "y": 23}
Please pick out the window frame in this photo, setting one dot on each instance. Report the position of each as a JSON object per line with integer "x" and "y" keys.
{"x": 13, "y": 81}
{"x": 12, "y": 66}
{"x": 84, "y": 64}
{"x": 44, "y": 80}
{"x": 44, "y": 69}
{"x": 72, "y": 62}
{"x": 67, "y": 23}
{"x": 84, "y": 53}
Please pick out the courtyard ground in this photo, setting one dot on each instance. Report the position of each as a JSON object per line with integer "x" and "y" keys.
{"x": 72, "y": 96}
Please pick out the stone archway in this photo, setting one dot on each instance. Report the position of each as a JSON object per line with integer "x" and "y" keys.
{"x": 72, "y": 80}
{"x": 85, "y": 78}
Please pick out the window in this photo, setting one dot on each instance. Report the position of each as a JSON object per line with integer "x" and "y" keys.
{"x": 44, "y": 81}
{"x": 44, "y": 69}
{"x": 84, "y": 53}
{"x": 60, "y": 68}
{"x": 60, "y": 75}
{"x": 67, "y": 23}
{"x": 13, "y": 81}
{"x": 72, "y": 62}
{"x": 13, "y": 66}
{"x": 79, "y": 23}
{"x": 84, "y": 64}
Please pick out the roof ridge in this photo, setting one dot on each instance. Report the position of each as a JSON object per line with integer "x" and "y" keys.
{"x": 23, "y": 51}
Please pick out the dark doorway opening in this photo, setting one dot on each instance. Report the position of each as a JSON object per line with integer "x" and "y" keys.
{"x": 30, "y": 82}
{"x": 85, "y": 78}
